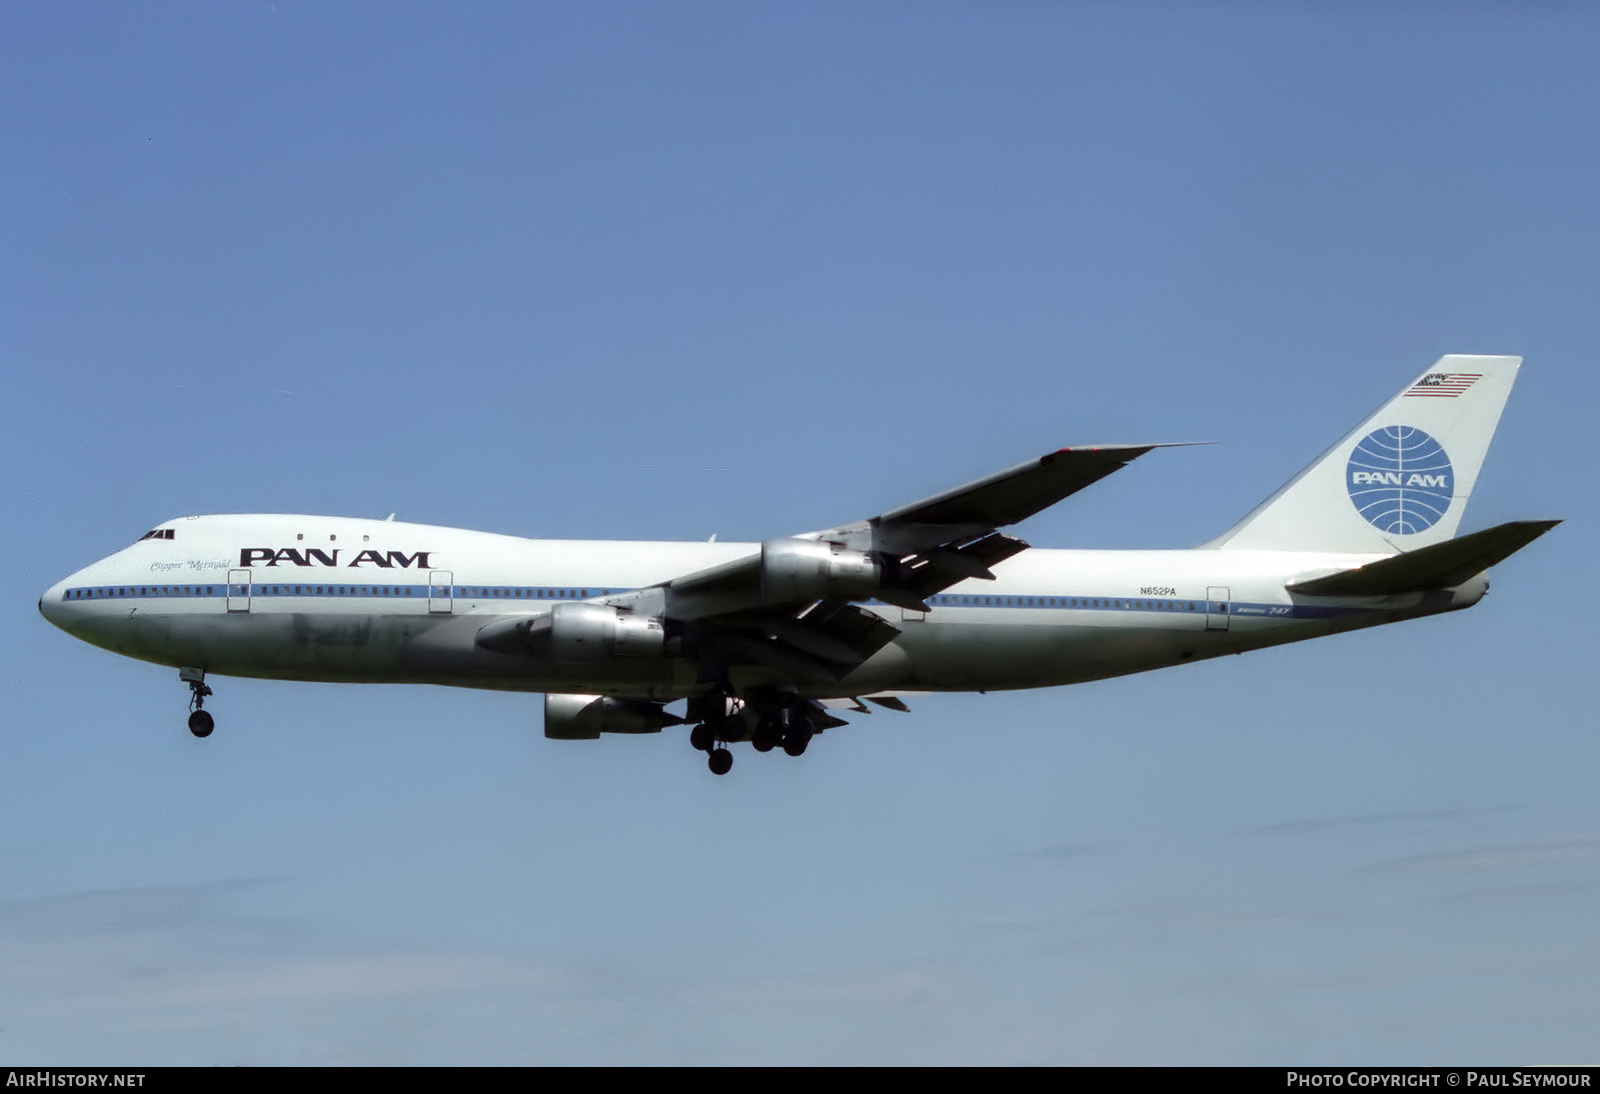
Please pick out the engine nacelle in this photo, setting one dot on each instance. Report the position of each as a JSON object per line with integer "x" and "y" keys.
{"x": 582, "y": 633}
{"x": 589, "y": 632}
{"x": 570, "y": 717}
{"x": 804, "y": 569}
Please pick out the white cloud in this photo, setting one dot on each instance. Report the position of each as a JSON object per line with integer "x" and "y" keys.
{"x": 1554, "y": 851}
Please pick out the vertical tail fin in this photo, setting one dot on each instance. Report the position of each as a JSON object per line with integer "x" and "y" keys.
{"x": 1399, "y": 480}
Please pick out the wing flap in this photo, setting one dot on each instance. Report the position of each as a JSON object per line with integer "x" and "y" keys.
{"x": 937, "y": 569}
{"x": 777, "y": 656}
{"x": 839, "y": 632}
{"x": 823, "y": 643}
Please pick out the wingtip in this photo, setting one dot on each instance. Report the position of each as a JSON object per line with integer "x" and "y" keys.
{"x": 1137, "y": 449}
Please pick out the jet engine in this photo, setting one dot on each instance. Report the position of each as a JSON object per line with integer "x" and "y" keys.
{"x": 805, "y": 569}
{"x": 570, "y": 717}
{"x": 578, "y": 632}
{"x": 587, "y": 632}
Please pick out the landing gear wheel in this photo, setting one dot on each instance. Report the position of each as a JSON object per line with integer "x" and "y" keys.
{"x": 721, "y": 761}
{"x": 701, "y": 737}
{"x": 768, "y": 735}
{"x": 795, "y": 743}
{"x": 201, "y": 723}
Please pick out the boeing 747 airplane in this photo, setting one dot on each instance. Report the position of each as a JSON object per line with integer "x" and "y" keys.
{"x": 769, "y": 642}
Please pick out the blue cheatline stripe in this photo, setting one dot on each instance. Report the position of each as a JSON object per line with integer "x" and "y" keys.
{"x": 1157, "y": 605}
{"x": 1165, "y": 606}
{"x": 306, "y": 589}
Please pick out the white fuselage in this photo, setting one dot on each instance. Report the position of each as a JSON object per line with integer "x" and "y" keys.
{"x": 347, "y": 599}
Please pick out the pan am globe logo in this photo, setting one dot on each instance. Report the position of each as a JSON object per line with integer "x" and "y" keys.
{"x": 1400, "y": 480}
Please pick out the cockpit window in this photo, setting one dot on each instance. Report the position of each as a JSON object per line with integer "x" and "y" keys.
{"x": 158, "y": 533}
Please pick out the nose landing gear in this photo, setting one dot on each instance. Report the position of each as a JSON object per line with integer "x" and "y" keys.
{"x": 200, "y": 721}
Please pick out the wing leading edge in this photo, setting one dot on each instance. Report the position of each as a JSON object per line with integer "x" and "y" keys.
{"x": 1019, "y": 492}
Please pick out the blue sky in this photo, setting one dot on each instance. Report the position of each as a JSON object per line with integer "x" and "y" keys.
{"x": 660, "y": 271}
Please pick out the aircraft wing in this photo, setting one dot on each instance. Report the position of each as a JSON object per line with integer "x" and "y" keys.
{"x": 792, "y": 607}
{"x": 1019, "y": 492}
{"x": 1003, "y": 498}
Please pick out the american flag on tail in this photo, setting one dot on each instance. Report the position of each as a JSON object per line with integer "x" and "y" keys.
{"x": 1443, "y": 385}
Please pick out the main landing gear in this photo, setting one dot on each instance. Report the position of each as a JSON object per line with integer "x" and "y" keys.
{"x": 200, "y": 721}
{"x": 707, "y": 737}
{"x": 704, "y": 738}
{"x": 723, "y": 718}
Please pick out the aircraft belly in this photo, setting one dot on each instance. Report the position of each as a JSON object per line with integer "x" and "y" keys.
{"x": 982, "y": 656}
{"x": 288, "y": 645}
{"x": 449, "y": 654}
{"x": 965, "y": 656}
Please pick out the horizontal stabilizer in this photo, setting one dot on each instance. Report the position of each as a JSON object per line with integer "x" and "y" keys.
{"x": 1438, "y": 566}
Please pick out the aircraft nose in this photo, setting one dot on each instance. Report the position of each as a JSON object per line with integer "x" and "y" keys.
{"x": 52, "y": 605}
